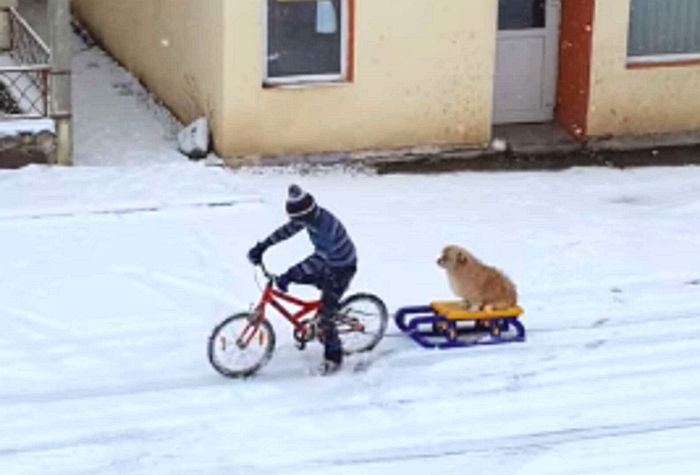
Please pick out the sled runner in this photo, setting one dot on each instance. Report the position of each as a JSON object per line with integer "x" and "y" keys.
{"x": 451, "y": 325}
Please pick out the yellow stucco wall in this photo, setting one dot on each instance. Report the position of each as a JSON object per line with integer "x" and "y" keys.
{"x": 636, "y": 101}
{"x": 174, "y": 46}
{"x": 423, "y": 75}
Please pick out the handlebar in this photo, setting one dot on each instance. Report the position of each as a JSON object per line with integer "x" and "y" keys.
{"x": 268, "y": 275}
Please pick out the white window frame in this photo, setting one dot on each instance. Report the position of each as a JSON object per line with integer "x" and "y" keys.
{"x": 664, "y": 58}
{"x": 309, "y": 79}
{"x": 659, "y": 58}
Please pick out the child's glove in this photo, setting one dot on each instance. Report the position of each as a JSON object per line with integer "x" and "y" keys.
{"x": 282, "y": 282}
{"x": 256, "y": 253}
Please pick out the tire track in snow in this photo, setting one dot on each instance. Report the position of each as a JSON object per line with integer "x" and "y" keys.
{"x": 6, "y": 216}
{"x": 108, "y": 392}
{"x": 622, "y": 322}
{"x": 513, "y": 383}
{"x": 417, "y": 359}
{"x": 100, "y": 439}
{"x": 505, "y": 446}
{"x": 28, "y": 325}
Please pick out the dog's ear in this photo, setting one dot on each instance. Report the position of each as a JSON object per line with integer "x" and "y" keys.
{"x": 462, "y": 258}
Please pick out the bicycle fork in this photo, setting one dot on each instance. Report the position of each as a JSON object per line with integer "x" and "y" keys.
{"x": 250, "y": 330}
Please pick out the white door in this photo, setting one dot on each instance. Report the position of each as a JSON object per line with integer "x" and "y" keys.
{"x": 526, "y": 60}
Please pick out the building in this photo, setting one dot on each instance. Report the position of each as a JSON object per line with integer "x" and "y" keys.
{"x": 35, "y": 103}
{"x": 309, "y": 76}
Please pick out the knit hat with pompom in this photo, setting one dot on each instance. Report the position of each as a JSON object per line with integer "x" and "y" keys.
{"x": 300, "y": 204}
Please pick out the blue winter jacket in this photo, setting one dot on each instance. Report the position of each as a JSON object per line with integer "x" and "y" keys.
{"x": 332, "y": 245}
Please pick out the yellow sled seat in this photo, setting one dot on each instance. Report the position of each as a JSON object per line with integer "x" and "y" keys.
{"x": 457, "y": 310}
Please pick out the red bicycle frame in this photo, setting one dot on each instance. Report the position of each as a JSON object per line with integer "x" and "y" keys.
{"x": 272, "y": 296}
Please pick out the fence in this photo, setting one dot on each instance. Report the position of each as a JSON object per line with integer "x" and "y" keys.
{"x": 24, "y": 73}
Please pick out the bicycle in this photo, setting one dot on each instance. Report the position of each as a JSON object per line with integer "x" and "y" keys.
{"x": 243, "y": 343}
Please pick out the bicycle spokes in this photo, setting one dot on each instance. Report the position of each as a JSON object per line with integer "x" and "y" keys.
{"x": 240, "y": 345}
{"x": 349, "y": 324}
{"x": 361, "y": 322}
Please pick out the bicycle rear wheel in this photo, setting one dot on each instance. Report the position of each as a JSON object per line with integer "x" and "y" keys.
{"x": 238, "y": 348}
{"x": 361, "y": 322}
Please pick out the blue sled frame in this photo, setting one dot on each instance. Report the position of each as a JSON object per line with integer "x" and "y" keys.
{"x": 432, "y": 330}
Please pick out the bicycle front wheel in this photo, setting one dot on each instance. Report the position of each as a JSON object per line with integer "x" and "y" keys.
{"x": 361, "y": 322}
{"x": 239, "y": 346}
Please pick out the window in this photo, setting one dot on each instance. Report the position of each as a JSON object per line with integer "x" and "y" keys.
{"x": 307, "y": 41}
{"x": 521, "y": 14}
{"x": 664, "y": 30}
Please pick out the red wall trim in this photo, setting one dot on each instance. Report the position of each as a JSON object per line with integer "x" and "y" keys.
{"x": 351, "y": 41}
{"x": 575, "y": 50}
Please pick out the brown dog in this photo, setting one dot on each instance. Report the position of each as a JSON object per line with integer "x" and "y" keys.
{"x": 481, "y": 286}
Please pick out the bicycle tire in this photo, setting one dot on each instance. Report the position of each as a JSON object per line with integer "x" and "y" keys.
{"x": 351, "y": 314}
{"x": 223, "y": 340}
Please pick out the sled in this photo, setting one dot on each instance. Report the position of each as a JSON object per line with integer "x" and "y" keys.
{"x": 450, "y": 324}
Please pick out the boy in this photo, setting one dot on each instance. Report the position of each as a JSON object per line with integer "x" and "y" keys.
{"x": 330, "y": 268}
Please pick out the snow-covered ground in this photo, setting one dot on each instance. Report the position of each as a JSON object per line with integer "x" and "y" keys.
{"x": 117, "y": 122}
{"x": 115, "y": 275}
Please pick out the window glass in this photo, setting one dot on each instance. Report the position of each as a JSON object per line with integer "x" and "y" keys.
{"x": 304, "y": 38}
{"x": 662, "y": 27}
{"x": 521, "y": 14}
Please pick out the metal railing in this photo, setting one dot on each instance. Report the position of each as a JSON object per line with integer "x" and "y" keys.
{"x": 24, "y": 92}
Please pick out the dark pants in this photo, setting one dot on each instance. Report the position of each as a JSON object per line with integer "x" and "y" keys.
{"x": 333, "y": 282}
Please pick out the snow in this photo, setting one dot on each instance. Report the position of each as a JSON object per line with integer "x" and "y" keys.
{"x": 193, "y": 140}
{"x": 30, "y": 126}
{"x": 42, "y": 192}
{"x": 117, "y": 122}
{"x": 115, "y": 272}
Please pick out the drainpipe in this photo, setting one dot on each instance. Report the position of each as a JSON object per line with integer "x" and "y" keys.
{"x": 60, "y": 83}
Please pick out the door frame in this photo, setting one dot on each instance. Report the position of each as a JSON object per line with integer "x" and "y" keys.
{"x": 551, "y": 65}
